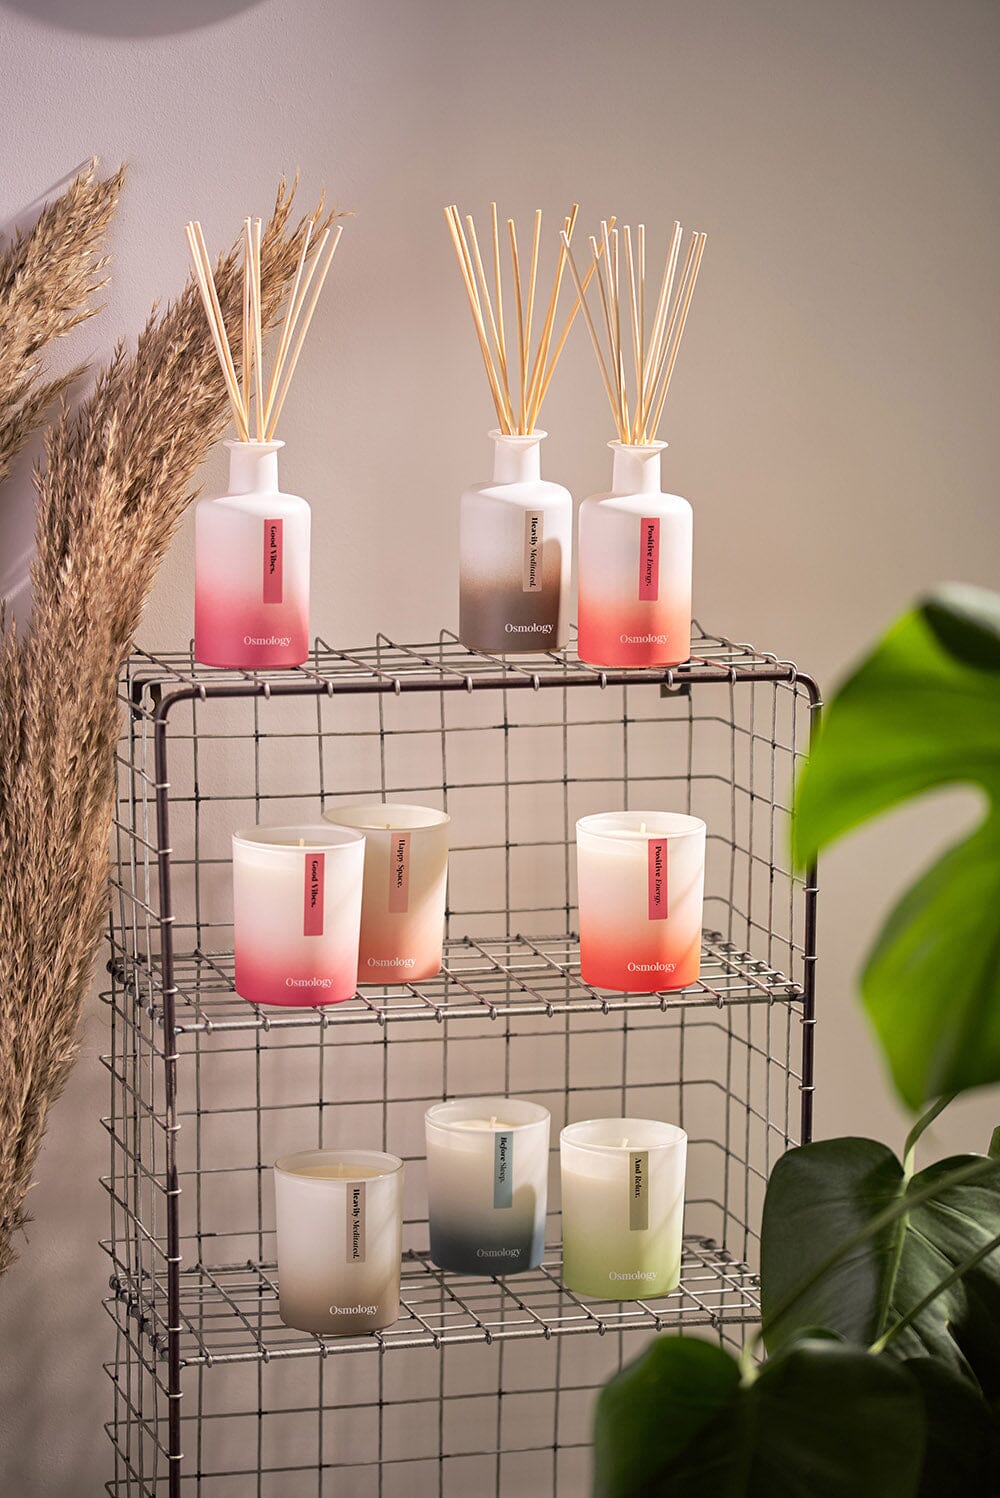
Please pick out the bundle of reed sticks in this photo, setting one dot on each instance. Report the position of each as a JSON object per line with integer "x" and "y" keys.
{"x": 622, "y": 294}
{"x": 257, "y": 403}
{"x": 518, "y": 382}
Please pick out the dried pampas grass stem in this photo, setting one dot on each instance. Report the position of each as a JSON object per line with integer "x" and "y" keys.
{"x": 117, "y": 478}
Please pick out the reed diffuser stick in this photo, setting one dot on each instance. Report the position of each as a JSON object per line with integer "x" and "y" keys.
{"x": 307, "y": 318}
{"x": 518, "y": 392}
{"x": 653, "y": 358}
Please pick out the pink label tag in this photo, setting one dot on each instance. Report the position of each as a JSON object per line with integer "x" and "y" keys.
{"x": 399, "y": 872}
{"x": 649, "y": 558}
{"x": 657, "y": 878}
{"x": 312, "y": 918}
{"x": 274, "y": 561}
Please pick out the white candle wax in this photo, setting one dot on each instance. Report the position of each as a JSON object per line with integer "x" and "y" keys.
{"x": 406, "y": 875}
{"x": 487, "y": 1183}
{"x": 622, "y": 1207}
{"x": 297, "y": 914}
{"x": 339, "y": 1226}
{"x": 641, "y": 881}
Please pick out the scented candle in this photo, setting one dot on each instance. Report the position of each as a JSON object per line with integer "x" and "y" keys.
{"x": 487, "y": 1181}
{"x": 297, "y": 913}
{"x": 339, "y": 1227}
{"x": 641, "y": 878}
{"x": 622, "y": 1207}
{"x": 406, "y": 874}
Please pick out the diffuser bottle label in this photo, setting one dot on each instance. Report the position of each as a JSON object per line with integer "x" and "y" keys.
{"x": 274, "y": 561}
{"x": 649, "y": 558}
{"x": 531, "y": 571}
{"x": 356, "y": 1214}
{"x": 503, "y": 1168}
{"x": 399, "y": 872}
{"x": 638, "y": 1190}
{"x": 312, "y": 915}
{"x": 657, "y": 878}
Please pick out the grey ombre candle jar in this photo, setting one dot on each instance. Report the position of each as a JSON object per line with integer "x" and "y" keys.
{"x": 487, "y": 1183}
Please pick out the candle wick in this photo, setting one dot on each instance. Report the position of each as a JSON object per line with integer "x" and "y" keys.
{"x": 642, "y": 827}
{"x": 302, "y": 842}
{"x": 625, "y": 1141}
{"x": 493, "y": 1121}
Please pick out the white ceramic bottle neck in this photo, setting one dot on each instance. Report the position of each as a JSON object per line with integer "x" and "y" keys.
{"x": 253, "y": 467}
{"x": 636, "y": 470}
{"x": 516, "y": 460}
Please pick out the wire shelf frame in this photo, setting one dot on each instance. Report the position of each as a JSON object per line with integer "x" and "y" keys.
{"x": 213, "y": 1395}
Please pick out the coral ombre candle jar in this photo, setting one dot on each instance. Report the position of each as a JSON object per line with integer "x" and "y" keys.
{"x": 641, "y": 881}
{"x": 406, "y": 875}
{"x": 635, "y": 567}
{"x": 297, "y": 914}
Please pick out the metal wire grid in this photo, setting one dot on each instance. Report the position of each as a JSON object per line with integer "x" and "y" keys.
{"x": 189, "y": 1060}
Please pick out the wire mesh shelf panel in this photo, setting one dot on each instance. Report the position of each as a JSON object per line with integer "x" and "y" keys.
{"x": 482, "y": 1386}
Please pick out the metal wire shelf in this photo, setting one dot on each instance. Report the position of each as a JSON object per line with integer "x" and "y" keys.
{"x": 500, "y": 978}
{"x": 230, "y": 1314}
{"x": 213, "y": 1396}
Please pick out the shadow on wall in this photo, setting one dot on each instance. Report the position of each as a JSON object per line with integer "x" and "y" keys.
{"x": 126, "y": 18}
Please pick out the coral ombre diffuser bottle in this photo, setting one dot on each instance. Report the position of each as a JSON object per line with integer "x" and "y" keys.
{"x": 251, "y": 600}
{"x": 515, "y": 542}
{"x": 635, "y": 567}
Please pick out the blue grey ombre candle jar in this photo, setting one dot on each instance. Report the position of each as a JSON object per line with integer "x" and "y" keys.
{"x": 487, "y": 1180}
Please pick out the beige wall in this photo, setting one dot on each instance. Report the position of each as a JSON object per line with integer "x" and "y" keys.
{"x": 833, "y": 417}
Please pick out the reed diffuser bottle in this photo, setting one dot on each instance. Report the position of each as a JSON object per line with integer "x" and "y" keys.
{"x": 635, "y": 552}
{"x": 516, "y": 532}
{"x": 251, "y": 606}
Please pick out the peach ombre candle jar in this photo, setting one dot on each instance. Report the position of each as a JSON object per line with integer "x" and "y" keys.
{"x": 297, "y": 914}
{"x": 641, "y": 880}
{"x": 406, "y": 875}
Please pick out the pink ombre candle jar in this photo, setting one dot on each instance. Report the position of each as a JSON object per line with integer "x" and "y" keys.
{"x": 297, "y": 914}
{"x": 406, "y": 876}
{"x": 251, "y": 588}
{"x": 641, "y": 880}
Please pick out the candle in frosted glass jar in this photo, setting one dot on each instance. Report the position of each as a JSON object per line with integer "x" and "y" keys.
{"x": 641, "y": 881}
{"x": 622, "y": 1207}
{"x": 406, "y": 875}
{"x": 339, "y": 1220}
{"x": 487, "y": 1184}
{"x": 297, "y": 914}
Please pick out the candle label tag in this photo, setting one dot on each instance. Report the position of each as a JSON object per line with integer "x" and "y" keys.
{"x": 531, "y": 570}
{"x": 399, "y": 872}
{"x": 312, "y": 913}
{"x": 657, "y": 880}
{"x": 638, "y": 1190}
{"x": 503, "y": 1168}
{"x": 274, "y": 561}
{"x": 356, "y": 1214}
{"x": 649, "y": 558}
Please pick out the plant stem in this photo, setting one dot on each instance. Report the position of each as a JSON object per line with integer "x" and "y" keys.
{"x": 923, "y": 1122}
{"x": 959, "y": 1272}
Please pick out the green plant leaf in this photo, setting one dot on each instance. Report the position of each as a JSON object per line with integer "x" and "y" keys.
{"x": 823, "y": 1420}
{"x": 923, "y": 711}
{"x": 961, "y": 1452}
{"x": 821, "y": 1195}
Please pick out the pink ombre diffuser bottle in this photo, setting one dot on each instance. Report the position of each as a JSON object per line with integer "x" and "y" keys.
{"x": 251, "y": 600}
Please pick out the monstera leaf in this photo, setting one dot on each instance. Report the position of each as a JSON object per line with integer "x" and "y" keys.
{"x": 822, "y": 1197}
{"x": 923, "y": 711}
{"x": 821, "y": 1420}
